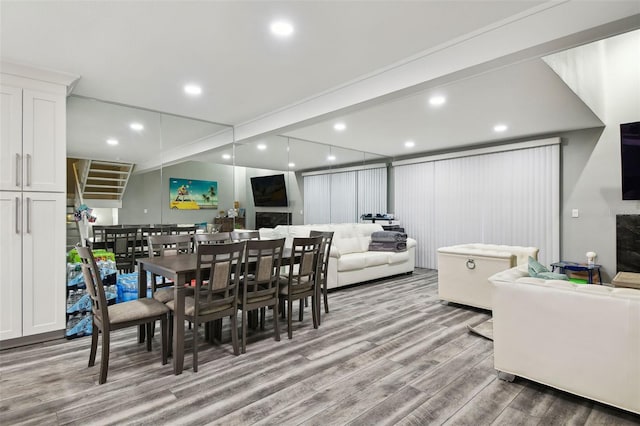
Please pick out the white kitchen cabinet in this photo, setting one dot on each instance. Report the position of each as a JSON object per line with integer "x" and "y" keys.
{"x": 33, "y": 140}
{"x": 32, "y": 203}
{"x": 32, "y": 259}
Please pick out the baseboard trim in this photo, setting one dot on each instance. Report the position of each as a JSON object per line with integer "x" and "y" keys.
{"x": 31, "y": 340}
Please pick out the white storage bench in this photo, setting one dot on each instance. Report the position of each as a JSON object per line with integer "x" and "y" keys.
{"x": 464, "y": 270}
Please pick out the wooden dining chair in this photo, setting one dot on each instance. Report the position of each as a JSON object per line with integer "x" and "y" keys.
{"x": 114, "y": 317}
{"x": 260, "y": 275}
{"x": 213, "y": 238}
{"x": 245, "y": 235}
{"x": 122, "y": 242}
{"x": 216, "y": 291}
{"x": 302, "y": 278}
{"x": 323, "y": 268}
{"x": 167, "y": 245}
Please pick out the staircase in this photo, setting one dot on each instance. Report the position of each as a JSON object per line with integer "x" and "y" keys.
{"x": 102, "y": 183}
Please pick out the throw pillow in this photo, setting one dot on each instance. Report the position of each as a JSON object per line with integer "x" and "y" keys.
{"x": 535, "y": 267}
{"x": 552, "y": 276}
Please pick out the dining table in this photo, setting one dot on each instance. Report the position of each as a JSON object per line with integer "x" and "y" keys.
{"x": 180, "y": 269}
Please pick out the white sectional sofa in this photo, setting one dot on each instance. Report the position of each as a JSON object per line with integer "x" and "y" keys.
{"x": 464, "y": 270}
{"x": 583, "y": 339}
{"x": 350, "y": 260}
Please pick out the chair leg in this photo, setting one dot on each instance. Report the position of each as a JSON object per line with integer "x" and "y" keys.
{"x": 316, "y": 303}
{"x": 263, "y": 313}
{"x": 289, "y": 315}
{"x": 216, "y": 331}
{"x": 244, "y": 331}
{"x": 195, "y": 347}
{"x": 326, "y": 300}
{"x": 314, "y": 311}
{"x": 170, "y": 337}
{"x": 104, "y": 361}
{"x": 94, "y": 345}
{"x": 234, "y": 334}
{"x": 153, "y": 329}
{"x": 149, "y": 325}
{"x": 276, "y": 321}
{"x": 165, "y": 339}
{"x": 301, "y": 313}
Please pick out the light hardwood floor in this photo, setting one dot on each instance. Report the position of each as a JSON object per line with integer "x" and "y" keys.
{"x": 388, "y": 353}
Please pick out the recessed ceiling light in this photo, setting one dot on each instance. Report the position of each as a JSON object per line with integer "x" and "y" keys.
{"x": 136, "y": 126}
{"x": 226, "y": 156}
{"x": 192, "y": 89}
{"x": 292, "y": 165}
{"x": 339, "y": 127}
{"x": 409, "y": 144}
{"x": 437, "y": 100}
{"x": 500, "y": 128}
{"x": 331, "y": 158}
{"x": 262, "y": 147}
{"x": 281, "y": 28}
{"x": 112, "y": 141}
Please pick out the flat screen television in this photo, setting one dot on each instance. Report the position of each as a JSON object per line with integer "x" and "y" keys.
{"x": 269, "y": 191}
{"x": 630, "y": 152}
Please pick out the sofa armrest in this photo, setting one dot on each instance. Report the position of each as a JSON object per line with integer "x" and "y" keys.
{"x": 335, "y": 252}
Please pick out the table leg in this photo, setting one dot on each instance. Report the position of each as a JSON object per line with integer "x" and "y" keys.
{"x": 590, "y": 275}
{"x": 142, "y": 292}
{"x": 178, "y": 326}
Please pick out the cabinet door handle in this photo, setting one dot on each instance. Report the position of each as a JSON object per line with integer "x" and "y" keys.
{"x": 28, "y": 205}
{"x": 18, "y": 170}
{"x": 17, "y": 215}
{"x": 28, "y": 169}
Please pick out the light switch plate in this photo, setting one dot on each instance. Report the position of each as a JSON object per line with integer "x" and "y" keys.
{"x": 575, "y": 213}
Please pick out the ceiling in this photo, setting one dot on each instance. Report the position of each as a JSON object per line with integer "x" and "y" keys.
{"x": 371, "y": 64}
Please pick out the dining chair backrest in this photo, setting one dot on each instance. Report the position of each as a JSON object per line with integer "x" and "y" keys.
{"x": 98, "y": 233}
{"x": 95, "y": 288}
{"x": 167, "y": 245}
{"x": 325, "y": 251}
{"x": 245, "y": 235}
{"x": 305, "y": 254}
{"x": 214, "y": 238}
{"x": 122, "y": 242}
{"x": 216, "y": 281}
{"x": 261, "y": 269}
{"x": 183, "y": 230}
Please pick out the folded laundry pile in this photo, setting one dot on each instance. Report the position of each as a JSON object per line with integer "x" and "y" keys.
{"x": 388, "y": 241}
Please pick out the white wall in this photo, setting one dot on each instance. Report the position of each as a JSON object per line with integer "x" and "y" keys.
{"x": 606, "y": 75}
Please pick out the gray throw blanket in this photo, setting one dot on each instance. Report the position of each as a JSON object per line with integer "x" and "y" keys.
{"x": 387, "y": 246}
{"x": 389, "y": 237}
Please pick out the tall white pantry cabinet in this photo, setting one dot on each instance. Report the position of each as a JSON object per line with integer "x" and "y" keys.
{"x": 32, "y": 207}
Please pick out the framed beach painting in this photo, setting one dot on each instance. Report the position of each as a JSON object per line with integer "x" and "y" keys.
{"x": 192, "y": 194}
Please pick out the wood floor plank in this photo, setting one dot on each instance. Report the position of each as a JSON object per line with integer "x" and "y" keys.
{"x": 452, "y": 397}
{"x": 487, "y": 405}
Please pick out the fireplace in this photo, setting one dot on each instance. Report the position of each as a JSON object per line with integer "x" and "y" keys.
{"x": 272, "y": 219}
{"x": 628, "y": 242}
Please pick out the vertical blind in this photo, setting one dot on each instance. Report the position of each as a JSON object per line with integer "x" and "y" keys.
{"x": 342, "y": 197}
{"x": 510, "y": 197}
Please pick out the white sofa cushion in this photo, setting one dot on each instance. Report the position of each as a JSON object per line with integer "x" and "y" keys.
{"x": 350, "y": 262}
{"x": 375, "y": 258}
{"x": 348, "y": 245}
{"x": 400, "y": 257}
